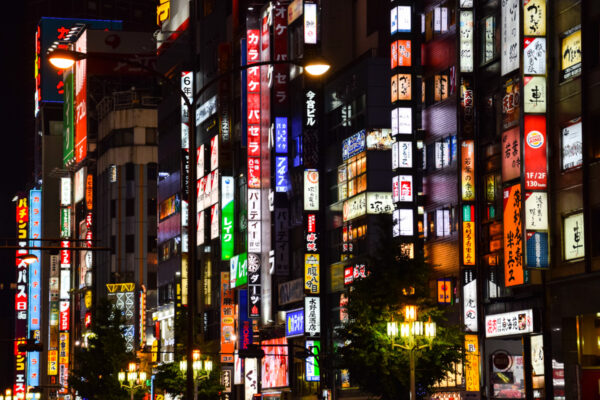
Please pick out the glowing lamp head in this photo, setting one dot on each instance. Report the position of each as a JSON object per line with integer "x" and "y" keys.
{"x": 410, "y": 313}
{"x": 63, "y": 58}
{"x": 392, "y": 329}
{"x": 121, "y": 376}
{"x": 208, "y": 365}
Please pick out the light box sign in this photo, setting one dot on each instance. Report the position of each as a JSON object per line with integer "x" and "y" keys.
{"x": 81, "y": 100}
{"x": 227, "y": 217}
{"x": 468, "y": 170}
{"x": 68, "y": 120}
{"x": 534, "y": 94}
{"x": 405, "y": 188}
{"x": 401, "y": 87}
{"x": 572, "y": 145}
{"x": 403, "y": 224}
{"x": 510, "y": 323}
{"x": 281, "y": 135}
{"x": 274, "y": 365}
{"x": 534, "y": 56}
{"x": 466, "y": 41}
{"x": 35, "y": 284}
{"x": 536, "y": 176}
{"x": 65, "y": 191}
{"x": 238, "y": 265}
{"x": 511, "y": 154}
{"x": 401, "y": 121}
{"x": 354, "y": 207}
{"x": 312, "y": 316}
{"x": 281, "y": 174}
{"x": 536, "y": 250}
{"x": 312, "y": 277}
{"x": 571, "y": 50}
{"x": 470, "y": 300}
{"x": 380, "y": 202}
{"x": 513, "y": 236}
{"x": 536, "y": 211}
{"x": 294, "y": 323}
{"x": 353, "y": 145}
{"x": 444, "y": 291}
{"x": 250, "y": 376}
{"x": 310, "y": 23}
{"x": 79, "y": 184}
{"x": 510, "y": 36}
{"x": 311, "y": 190}
{"x": 534, "y": 17}
{"x": 469, "y": 243}
{"x": 403, "y": 154}
{"x": 313, "y": 372}
{"x": 472, "y": 363}
{"x": 573, "y": 236}
{"x": 227, "y": 320}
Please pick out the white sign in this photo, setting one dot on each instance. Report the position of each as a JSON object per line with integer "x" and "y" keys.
{"x": 250, "y": 378}
{"x": 536, "y": 211}
{"x": 312, "y": 316}
{"x": 510, "y": 36}
{"x": 311, "y": 190}
{"x": 214, "y": 221}
{"x": 534, "y": 56}
{"x": 404, "y": 18}
{"x": 65, "y": 284}
{"x": 199, "y": 229}
{"x": 534, "y": 94}
{"x": 404, "y": 120}
{"x": 402, "y": 222}
{"x": 65, "y": 191}
{"x": 214, "y": 153}
{"x": 354, "y": 207}
{"x": 254, "y": 239}
{"x": 572, "y": 147}
{"x": 470, "y": 306}
{"x": 466, "y": 41}
{"x": 187, "y": 78}
{"x": 200, "y": 162}
{"x": 466, "y": 3}
{"x": 537, "y": 354}
{"x": 574, "y": 237}
{"x": 80, "y": 184}
{"x": 402, "y": 155}
{"x": 394, "y": 20}
{"x": 379, "y": 203}
{"x": 206, "y": 110}
{"x": 510, "y": 323}
{"x": 310, "y": 23}
{"x": 405, "y": 187}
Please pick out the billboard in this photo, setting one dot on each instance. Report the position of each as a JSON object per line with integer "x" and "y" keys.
{"x": 21, "y": 298}
{"x": 513, "y": 236}
{"x": 68, "y": 120}
{"x": 510, "y": 36}
{"x": 274, "y": 365}
{"x": 227, "y": 320}
{"x": 535, "y": 152}
{"x": 510, "y": 323}
{"x": 81, "y": 100}
{"x": 570, "y": 65}
{"x": 511, "y": 154}
{"x": 35, "y": 283}
{"x": 468, "y": 170}
{"x": 294, "y": 323}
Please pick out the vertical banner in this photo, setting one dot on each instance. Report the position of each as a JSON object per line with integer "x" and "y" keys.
{"x": 68, "y": 121}
{"x": 227, "y": 217}
{"x": 81, "y": 100}
{"x": 21, "y": 298}
{"x": 468, "y": 170}
{"x": 510, "y": 28}
{"x": 536, "y": 176}
{"x": 35, "y": 284}
{"x": 513, "y": 236}
{"x": 470, "y": 300}
{"x": 471, "y": 363}
{"x": 227, "y": 320}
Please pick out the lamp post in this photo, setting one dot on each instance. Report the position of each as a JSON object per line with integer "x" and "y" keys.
{"x": 416, "y": 335}
{"x": 202, "y": 369}
{"x": 61, "y": 58}
{"x": 134, "y": 379}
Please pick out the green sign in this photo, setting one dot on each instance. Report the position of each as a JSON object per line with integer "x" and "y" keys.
{"x": 238, "y": 270}
{"x": 65, "y": 222}
{"x": 68, "y": 122}
{"x": 227, "y": 211}
{"x": 313, "y": 372}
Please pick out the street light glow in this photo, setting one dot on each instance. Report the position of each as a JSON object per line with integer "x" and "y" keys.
{"x": 317, "y": 67}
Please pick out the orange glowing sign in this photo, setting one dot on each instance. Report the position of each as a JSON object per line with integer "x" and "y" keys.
{"x": 472, "y": 363}
{"x": 469, "y": 243}
{"x": 89, "y": 192}
{"x": 513, "y": 236}
{"x": 227, "y": 320}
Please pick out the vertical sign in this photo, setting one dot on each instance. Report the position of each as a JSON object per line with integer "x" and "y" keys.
{"x": 227, "y": 217}
{"x": 250, "y": 378}
{"x": 468, "y": 170}
{"x": 21, "y": 299}
{"x": 227, "y": 320}
{"x": 312, "y": 316}
{"x": 466, "y": 41}
{"x": 310, "y": 23}
{"x": 35, "y": 284}
{"x": 510, "y": 36}
{"x": 470, "y": 300}
{"x": 68, "y": 121}
{"x": 471, "y": 363}
{"x": 81, "y": 100}
{"x": 513, "y": 236}
{"x": 535, "y": 153}
{"x": 313, "y": 372}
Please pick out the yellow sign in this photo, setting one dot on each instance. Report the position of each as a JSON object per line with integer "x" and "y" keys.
{"x": 469, "y": 243}
{"x": 311, "y": 273}
{"x": 571, "y": 55}
{"x": 534, "y": 17}
{"x": 52, "y": 362}
{"x": 154, "y": 350}
{"x": 88, "y": 299}
{"x": 120, "y": 287}
{"x": 163, "y": 11}
{"x": 471, "y": 363}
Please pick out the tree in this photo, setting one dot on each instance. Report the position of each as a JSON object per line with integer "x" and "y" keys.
{"x": 365, "y": 349}
{"x": 94, "y": 375}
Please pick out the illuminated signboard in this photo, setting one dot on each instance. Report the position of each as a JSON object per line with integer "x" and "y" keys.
{"x": 311, "y": 190}
{"x": 281, "y": 135}
{"x": 238, "y": 270}
{"x": 275, "y": 363}
{"x": 534, "y": 56}
{"x": 469, "y": 235}
{"x": 511, "y": 154}
{"x": 401, "y": 87}
{"x": 534, "y": 94}
{"x": 281, "y": 174}
{"x": 227, "y": 217}
{"x": 353, "y": 145}
{"x": 80, "y": 175}
{"x": 468, "y": 170}
{"x": 354, "y": 207}
{"x": 401, "y": 121}
{"x": 21, "y": 299}
{"x": 65, "y": 191}
{"x": 200, "y": 161}
{"x": 254, "y": 211}
{"x": 534, "y": 17}
{"x": 89, "y": 192}
{"x": 403, "y": 223}
{"x": 513, "y": 237}
{"x": 68, "y": 120}
{"x": 313, "y": 372}
{"x": 294, "y": 323}
{"x": 444, "y": 291}
{"x": 310, "y": 23}
{"x": 536, "y": 250}
{"x": 187, "y": 87}
{"x": 472, "y": 363}
{"x": 573, "y": 237}
{"x": 312, "y": 278}
{"x": 81, "y": 100}
{"x": 402, "y": 155}
{"x": 381, "y": 202}
{"x": 466, "y": 41}
{"x": 510, "y": 36}
{"x": 511, "y": 103}
{"x": 227, "y": 319}
{"x": 510, "y": 323}
{"x": 250, "y": 374}
{"x": 214, "y": 153}
{"x": 571, "y": 49}
{"x": 254, "y": 290}
{"x": 470, "y": 300}
{"x": 122, "y": 295}
{"x": 312, "y": 316}
{"x": 572, "y": 145}
{"x": 168, "y": 207}
{"x": 536, "y": 211}
{"x": 35, "y": 283}
{"x": 294, "y": 10}
{"x": 63, "y": 359}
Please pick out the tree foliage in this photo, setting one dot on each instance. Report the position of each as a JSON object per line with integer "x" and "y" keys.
{"x": 94, "y": 375}
{"x": 366, "y": 351}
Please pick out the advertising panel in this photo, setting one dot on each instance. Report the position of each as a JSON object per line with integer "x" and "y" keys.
{"x": 311, "y": 190}
{"x": 81, "y": 100}
{"x": 466, "y": 41}
{"x": 511, "y": 154}
{"x": 312, "y": 316}
{"x": 227, "y": 217}
{"x": 405, "y": 188}
{"x": 354, "y": 207}
{"x": 573, "y": 236}
{"x": 404, "y": 50}
{"x": 68, "y": 120}
{"x": 570, "y": 65}
{"x": 312, "y": 277}
{"x": 250, "y": 374}
{"x": 274, "y": 365}
{"x": 294, "y": 323}
{"x": 313, "y": 371}
{"x": 536, "y": 211}
{"x": 404, "y": 155}
{"x": 403, "y": 223}
{"x": 444, "y": 291}
{"x": 122, "y": 295}
{"x": 536, "y": 250}
{"x": 572, "y": 145}
{"x": 282, "y": 183}
{"x": 513, "y": 237}
{"x": 402, "y": 121}
{"x": 35, "y": 283}
{"x": 244, "y": 324}
{"x": 510, "y": 36}
{"x": 238, "y": 266}
{"x": 534, "y": 94}
{"x": 187, "y": 87}
{"x": 471, "y": 363}
{"x": 80, "y": 175}
{"x": 401, "y": 87}
{"x": 468, "y": 170}
{"x": 534, "y": 17}
{"x": 353, "y": 145}
{"x": 381, "y": 202}
{"x": 535, "y": 152}
{"x": 469, "y": 243}
{"x": 534, "y": 56}
{"x": 227, "y": 320}
{"x": 404, "y": 18}
{"x": 310, "y": 23}
{"x": 65, "y": 191}
{"x": 510, "y": 323}
{"x": 470, "y": 300}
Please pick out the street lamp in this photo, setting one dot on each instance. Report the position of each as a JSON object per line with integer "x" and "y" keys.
{"x": 202, "y": 369}
{"x": 7, "y": 395}
{"x": 416, "y": 335}
{"x": 134, "y": 379}
{"x": 65, "y": 58}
